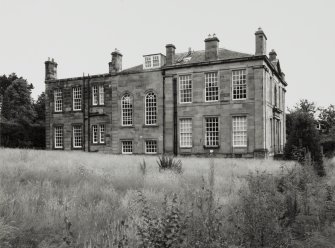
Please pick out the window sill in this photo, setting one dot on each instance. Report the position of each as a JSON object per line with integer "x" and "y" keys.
{"x": 132, "y": 126}
{"x": 145, "y": 125}
{"x": 211, "y": 147}
{"x": 98, "y": 144}
{"x": 58, "y": 112}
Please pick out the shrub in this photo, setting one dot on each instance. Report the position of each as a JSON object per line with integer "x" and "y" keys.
{"x": 168, "y": 162}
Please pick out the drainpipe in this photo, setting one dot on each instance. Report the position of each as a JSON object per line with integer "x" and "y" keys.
{"x": 83, "y": 95}
{"x": 163, "y": 74}
{"x": 88, "y": 115}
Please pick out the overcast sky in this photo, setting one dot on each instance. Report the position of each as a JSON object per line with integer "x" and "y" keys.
{"x": 81, "y": 34}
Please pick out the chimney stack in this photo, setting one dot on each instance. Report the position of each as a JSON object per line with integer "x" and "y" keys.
{"x": 273, "y": 55}
{"x": 50, "y": 69}
{"x": 115, "y": 65}
{"x": 260, "y": 42}
{"x": 211, "y": 47}
{"x": 170, "y": 54}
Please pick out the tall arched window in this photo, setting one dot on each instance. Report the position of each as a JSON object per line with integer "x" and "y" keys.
{"x": 150, "y": 109}
{"x": 127, "y": 110}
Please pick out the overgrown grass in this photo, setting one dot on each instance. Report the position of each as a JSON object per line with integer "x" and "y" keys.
{"x": 75, "y": 199}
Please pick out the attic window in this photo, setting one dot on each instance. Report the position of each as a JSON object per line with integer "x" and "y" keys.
{"x": 152, "y": 61}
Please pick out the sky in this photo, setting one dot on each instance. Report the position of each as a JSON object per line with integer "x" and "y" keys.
{"x": 81, "y": 34}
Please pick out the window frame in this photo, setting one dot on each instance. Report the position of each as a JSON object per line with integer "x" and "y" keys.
{"x": 102, "y": 141}
{"x": 146, "y": 123}
{"x": 181, "y": 94}
{"x": 95, "y": 95}
{"x": 181, "y": 138}
{"x": 55, "y": 100}
{"x": 73, "y": 137}
{"x": 244, "y": 131}
{"x": 131, "y": 109}
{"x": 54, "y": 137}
{"x": 245, "y": 84}
{"x": 73, "y": 98}
{"x": 218, "y": 132}
{"x": 145, "y": 146}
{"x": 95, "y": 134}
{"x": 149, "y": 59}
{"x": 217, "y": 86}
{"x": 122, "y": 146}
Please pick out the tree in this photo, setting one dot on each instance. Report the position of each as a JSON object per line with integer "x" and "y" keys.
{"x": 39, "y": 107}
{"x": 304, "y": 135}
{"x": 6, "y": 81}
{"x": 327, "y": 118}
{"x": 305, "y": 106}
{"x": 17, "y": 102}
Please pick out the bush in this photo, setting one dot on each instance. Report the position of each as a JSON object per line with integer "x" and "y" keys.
{"x": 168, "y": 162}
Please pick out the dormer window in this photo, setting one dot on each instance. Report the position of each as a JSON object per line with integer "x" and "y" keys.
{"x": 153, "y": 61}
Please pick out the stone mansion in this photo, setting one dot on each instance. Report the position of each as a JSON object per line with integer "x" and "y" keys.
{"x": 214, "y": 100}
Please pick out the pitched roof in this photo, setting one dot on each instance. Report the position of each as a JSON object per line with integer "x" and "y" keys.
{"x": 199, "y": 56}
{"x": 193, "y": 57}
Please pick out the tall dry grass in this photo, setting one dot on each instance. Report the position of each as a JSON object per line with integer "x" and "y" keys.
{"x": 50, "y": 198}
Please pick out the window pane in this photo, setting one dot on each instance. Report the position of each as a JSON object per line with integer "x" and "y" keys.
{"x": 101, "y": 95}
{"x": 155, "y": 61}
{"x": 102, "y": 133}
{"x": 185, "y": 89}
{"x": 95, "y": 95}
{"x": 148, "y": 62}
{"x": 95, "y": 134}
{"x": 58, "y": 100}
{"x": 58, "y": 137}
{"x": 239, "y": 84}
{"x": 151, "y": 146}
{"x": 77, "y": 136}
{"x": 127, "y": 147}
{"x": 239, "y": 131}
{"x": 212, "y": 131}
{"x": 186, "y": 132}
{"x": 150, "y": 109}
{"x": 127, "y": 110}
{"x": 211, "y": 87}
{"x": 77, "y": 98}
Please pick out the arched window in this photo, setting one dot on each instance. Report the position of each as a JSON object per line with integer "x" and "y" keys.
{"x": 127, "y": 110}
{"x": 150, "y": 109}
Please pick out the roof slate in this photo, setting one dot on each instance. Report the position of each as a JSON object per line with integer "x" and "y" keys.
{"x": 193, "y": 57}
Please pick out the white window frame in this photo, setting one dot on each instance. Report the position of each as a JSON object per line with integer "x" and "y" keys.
{"x": 102, "y": 130}
{"x": 212, "y": 136}
{"x": 210, "y": 92}
{"x": 125, "y": 148}
{"x": 76, "y": 138}
{"x": 150, "y": 109}
{"x": 240, "y": 130}
{"x": 239, "y": 85}
{"x": 58, "y": 137}
{"x": 151, "y": 147}
{"x": 185, "y": 89}
{"x": 76, "y": 98}
{"x": 185, "y": 132}
{"x": 127, "y": 110}
{"x": 95, "y": 134}
{"x": 101, "y": 95}
{"x": 95, "y": 98}
{"x": 150, "y": 59}
{"x": 58, "y": 100}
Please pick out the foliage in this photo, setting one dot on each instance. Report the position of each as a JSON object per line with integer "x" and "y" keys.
{"x": 168, "y": 162}
{"x": 5, "y": 82}
{"x": 305, "y": 106}
{"x": 303, "y": 134}
{"x": 327, "y": 118}
{"x": 39, "y": 107}
{"x": 17, "y": 103}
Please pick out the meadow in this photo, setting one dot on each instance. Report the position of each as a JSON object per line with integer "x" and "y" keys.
{"x": 75, "y": 199}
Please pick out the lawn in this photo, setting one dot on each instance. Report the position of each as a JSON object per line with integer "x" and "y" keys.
{"x": 75, "y": 199}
